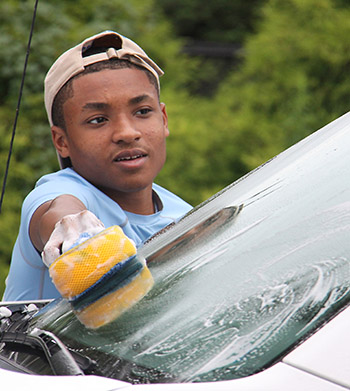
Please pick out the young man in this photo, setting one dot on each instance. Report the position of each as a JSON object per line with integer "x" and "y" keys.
{"x": 109, "y": 130}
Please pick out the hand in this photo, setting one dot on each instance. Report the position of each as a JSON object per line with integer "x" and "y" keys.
{"x": 70, "y": 230}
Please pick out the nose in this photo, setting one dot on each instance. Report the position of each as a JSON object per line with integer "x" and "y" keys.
{"x": 125, "y": 131}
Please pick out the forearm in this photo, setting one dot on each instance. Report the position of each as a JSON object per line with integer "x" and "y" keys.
{"x": 47, "y": 215}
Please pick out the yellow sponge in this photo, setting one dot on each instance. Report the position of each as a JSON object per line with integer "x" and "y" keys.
{"x": 109, "y": 307}
{"x": 104, "y": 263}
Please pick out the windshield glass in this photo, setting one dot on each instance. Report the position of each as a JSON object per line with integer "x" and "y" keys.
{"x": 240, "y": 280}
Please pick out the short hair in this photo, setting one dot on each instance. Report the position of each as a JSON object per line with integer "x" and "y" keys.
{"x": 66, "y": 90}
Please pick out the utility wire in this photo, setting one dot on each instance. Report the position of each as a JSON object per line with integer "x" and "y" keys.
{"x": 18, "y": 106}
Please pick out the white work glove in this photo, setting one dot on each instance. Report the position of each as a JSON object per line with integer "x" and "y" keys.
{"x": 70, "y": 231}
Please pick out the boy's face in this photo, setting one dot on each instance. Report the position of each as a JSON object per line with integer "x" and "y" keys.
{"x": 115, "y": 131}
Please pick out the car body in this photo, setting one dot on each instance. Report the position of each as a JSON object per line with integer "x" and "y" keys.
{"x": 251, "y": 292}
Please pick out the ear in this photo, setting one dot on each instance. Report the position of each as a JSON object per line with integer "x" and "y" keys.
{"x": 165, "y": 119}
{"x": 59, "y": 139}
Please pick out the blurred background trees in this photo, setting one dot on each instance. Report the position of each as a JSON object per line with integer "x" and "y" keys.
{"x": 243, "y": 81}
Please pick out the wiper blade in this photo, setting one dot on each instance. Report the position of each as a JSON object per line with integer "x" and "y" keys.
{"x": 58, "y": 356}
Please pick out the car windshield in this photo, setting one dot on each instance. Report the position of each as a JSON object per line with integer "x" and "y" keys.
{"x": 240, "y": 280}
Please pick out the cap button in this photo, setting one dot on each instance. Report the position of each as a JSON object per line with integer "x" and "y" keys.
{"x": 112, "y": 53}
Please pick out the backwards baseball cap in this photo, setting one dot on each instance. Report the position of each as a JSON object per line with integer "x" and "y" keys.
{"x": 100, "y": 47}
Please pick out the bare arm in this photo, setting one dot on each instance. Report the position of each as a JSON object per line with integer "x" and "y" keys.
{"x": 48, "y": 214}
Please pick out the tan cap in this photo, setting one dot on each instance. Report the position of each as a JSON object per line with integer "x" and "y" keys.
{"x": 73, "y": 61}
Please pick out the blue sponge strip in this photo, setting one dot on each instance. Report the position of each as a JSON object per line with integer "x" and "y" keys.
{"x": 117, "y": 277}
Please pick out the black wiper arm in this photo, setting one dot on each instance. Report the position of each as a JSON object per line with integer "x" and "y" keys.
{"x": 58, "y": 356}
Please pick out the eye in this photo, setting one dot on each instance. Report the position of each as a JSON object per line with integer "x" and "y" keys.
{"x": 97, "y": 120}
{"x": 143, "y": 111}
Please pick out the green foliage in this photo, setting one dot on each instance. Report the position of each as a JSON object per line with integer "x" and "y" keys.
{"x": 201, "y": 156}
{"x": 220, "y": 20}
{"x": 294, "y": 78}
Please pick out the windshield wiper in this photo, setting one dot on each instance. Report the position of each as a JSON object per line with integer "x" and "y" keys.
{"x": 58, "y": 356}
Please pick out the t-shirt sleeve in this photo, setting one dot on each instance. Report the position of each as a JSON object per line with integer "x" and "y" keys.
{"x": 49, "y": 191}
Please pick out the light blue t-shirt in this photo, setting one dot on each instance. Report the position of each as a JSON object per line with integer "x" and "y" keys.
{"x": 28, "y": 278}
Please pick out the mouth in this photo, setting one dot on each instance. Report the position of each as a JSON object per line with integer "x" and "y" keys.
{"x": 127, "y": 158}
{"x": 130, "y": 158}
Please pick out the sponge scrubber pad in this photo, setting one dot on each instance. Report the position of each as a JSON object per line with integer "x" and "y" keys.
{"x": 101, "y": 277}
